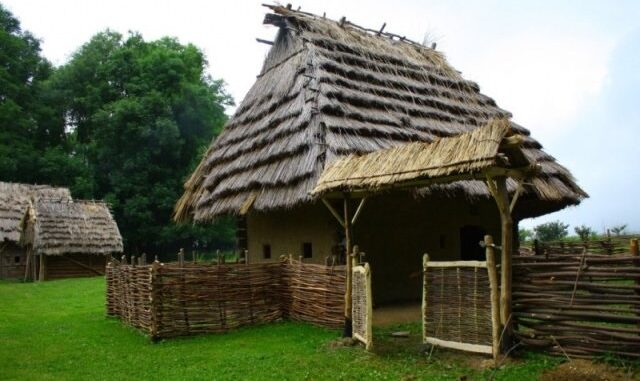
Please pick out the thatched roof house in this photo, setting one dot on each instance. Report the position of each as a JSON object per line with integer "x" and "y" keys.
{"x": 56, "y": 227}
{"x": 15, "y": 200}
{"x": 71, "y": 238}
{"x": 329, "y": 89}
{"x": 40, "y": 221}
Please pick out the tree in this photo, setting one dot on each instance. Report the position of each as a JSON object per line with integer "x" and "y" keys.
{"x": 619, "y": 229}
{"x": 33, "y": 142}
{"x": 584, "y": 232}
{"x": 551, "y": 231}
{"x": 142, "y": 113}
{"x": 525, "y": 235}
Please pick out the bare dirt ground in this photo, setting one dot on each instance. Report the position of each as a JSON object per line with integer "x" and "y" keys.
{"x": 396, "y": 314}
{"x": 583, "y": 370}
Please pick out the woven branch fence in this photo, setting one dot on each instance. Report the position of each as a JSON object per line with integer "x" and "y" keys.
{"x": 578, "y": 305}
{"x": 168, "y": 300}
{"x": 611, "y": 245}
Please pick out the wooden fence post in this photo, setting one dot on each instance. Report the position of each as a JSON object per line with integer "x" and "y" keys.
{"x": 142, "y": 260}
{"x": 495, "y": 296}
{"x": 155, "y": 295}
{"x": 633, "y": 248}
{"x": 181, "y": 257}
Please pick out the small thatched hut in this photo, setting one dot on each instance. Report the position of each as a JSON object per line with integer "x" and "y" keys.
{"x": 329, "y": 89}
{"x": 15, "y": 201}
{"x": 70, "y": 238}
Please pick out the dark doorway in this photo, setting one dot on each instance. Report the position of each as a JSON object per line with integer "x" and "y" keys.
{"x": 470, "y": 236}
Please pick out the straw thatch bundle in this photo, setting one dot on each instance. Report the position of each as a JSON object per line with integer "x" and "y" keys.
{"x": 15, "y": 200}
{"x": 56, "y": 227}
{"x": 463, "y": 154}
{"x": 329, "y": 89}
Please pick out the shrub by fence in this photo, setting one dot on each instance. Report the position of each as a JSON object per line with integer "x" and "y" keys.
{"x": 167, "y": 300}
{"x": 578, "y": 305}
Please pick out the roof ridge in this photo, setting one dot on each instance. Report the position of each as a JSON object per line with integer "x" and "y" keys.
{"x": 288, "y": 11}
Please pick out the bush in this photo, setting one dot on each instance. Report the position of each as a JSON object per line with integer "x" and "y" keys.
{"x": 551, "y": 231}
{"x": 584, "y": 232}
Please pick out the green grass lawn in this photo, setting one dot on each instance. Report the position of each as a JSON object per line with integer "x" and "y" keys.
{"x": 58, "y": 331}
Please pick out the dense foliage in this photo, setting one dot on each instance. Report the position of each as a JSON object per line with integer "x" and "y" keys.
{"x": 551, "y": 231}
{"x": 125, "y": 120}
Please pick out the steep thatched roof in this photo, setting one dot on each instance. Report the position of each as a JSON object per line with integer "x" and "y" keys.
{"x": 14, "y": 202}
{"x": 329, "y": 89}
{"x": 68, "y": 227}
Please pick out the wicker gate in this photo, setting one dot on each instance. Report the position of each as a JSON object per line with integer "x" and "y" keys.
{"x": 460, "y": 305}
{"x": 362, "y": 305}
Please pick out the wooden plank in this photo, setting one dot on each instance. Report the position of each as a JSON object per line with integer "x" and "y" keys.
{"x": 477, "y": 348}
{"x": 457, "y": 264}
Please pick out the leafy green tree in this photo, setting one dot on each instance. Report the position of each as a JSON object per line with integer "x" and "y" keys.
{"x": 551, "y": 231}
{"x": 142, "y": 113}
{"x": 619, "y": 229}
{"x": 525, "y": 234}
{"x": 584, "y": 232}
{"x": 33, "y": 142}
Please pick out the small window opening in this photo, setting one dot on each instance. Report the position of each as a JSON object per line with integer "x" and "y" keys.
{"x": 16, "y": 259}
{"x": 266, "y": 251}
{"x": 443, "y": 241}
{"x": 307, "y": 250}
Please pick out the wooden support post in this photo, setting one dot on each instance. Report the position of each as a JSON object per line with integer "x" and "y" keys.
{"x": 194, "y": 257}
{"x": 133, "y": 261}
{"x": 246, "y": 257}
{"x": 495, "y": 296}
{"x": 498, "y": 189}
{"x": 181, "y": 257}
{"x": 43, "y": 268}
{"x": 142, "y": 260}
{"x": 348, "y": 329}
{"x": 26, "y": 266}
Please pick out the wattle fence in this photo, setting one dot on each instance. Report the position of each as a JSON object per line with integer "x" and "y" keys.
{"x": 578, "y": 305}
{"x": 168, "y": 300}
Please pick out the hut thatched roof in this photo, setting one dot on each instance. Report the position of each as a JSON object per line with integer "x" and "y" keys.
{"x": 328, "y": 89}
{"x": 66, "y": 227}
{"x": 15, "y": 199}
{"x": 485, "y": 151}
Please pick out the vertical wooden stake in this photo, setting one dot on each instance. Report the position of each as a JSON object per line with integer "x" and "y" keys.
{"x": 633, "y": 248}
{"x": 181, "y": 257}
{"x": 43, "y": 268}
{"x": 425, "y": 297}
{"x": 154, "y": 299}
{"x": 348, "y": 329}
{"x": 495, "y": 298}
{"x": 246, "y": 257}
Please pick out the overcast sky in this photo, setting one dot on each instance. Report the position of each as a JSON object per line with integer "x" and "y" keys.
{"x": 568, "y": 70}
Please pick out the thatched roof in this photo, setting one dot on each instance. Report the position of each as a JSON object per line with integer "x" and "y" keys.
{"x": 68, "y": 227}
{"x": 470, "y": 155}
{"x": 329, "y": 89}
{"x": 14, "y": 202}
